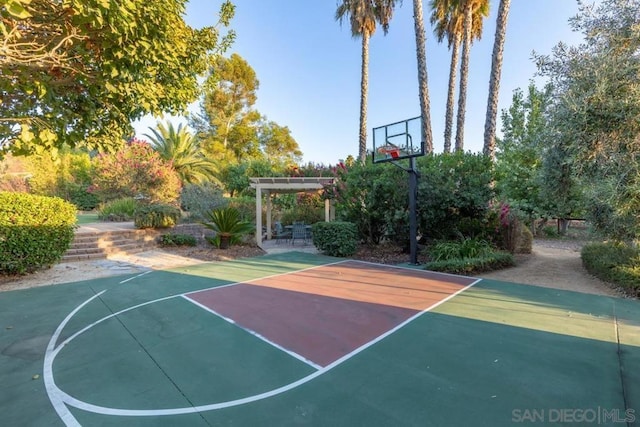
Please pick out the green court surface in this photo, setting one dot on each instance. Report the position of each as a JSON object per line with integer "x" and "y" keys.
{"x": 141, "y": 351}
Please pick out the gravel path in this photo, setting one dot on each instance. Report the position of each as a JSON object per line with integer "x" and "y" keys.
{"x": 554, "y": 264}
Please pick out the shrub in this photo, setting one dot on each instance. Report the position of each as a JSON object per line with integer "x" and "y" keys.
{"x": 617, "y": 263}
{"x": 228, "y": 226}
{"x": 177, "y": 240}
{"x": 454, "y": 194}
{"x": 246, "y": 207}
{"x": 17, "y": 184}
{"x": 83, "y": 199}
{"x": 135, "y": 171}
{"x": 308, "y": 208}
{"x": 509, "y": 227}
{"x": 35, "y": 231}
{"x": 525, "y": 240}
{"x": 156, "y": 216}
{"x": 488, "y": 262}
{"x": 118, "y": 210}
{"x": 467, "y": 248}
{"x": 61, "y": 175}
{"x": 370, "y": 197}
{"x": 550, "y": 232}
{"x": 336, "y": 238}
{"x": 198, "y": 199}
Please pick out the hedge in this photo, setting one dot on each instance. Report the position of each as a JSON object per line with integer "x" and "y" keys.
{"x": 335, "y": 238}
{"x": 616, "y": 263}
{"x": 488, "y": 262}
{"x": 156, "y": 216}
{"x": 35, "y": 231}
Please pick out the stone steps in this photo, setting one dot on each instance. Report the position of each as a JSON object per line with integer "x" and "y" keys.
{"x": 97, "y": 245}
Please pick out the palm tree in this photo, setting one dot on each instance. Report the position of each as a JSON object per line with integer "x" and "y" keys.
{"x": 180, "y": 148}
{"x": 489, "y": 148}
{"x": 423, "y": 87}
{"x": 473, "y": 12}
{"x": 363, "y": 16}
{"x": 448, "y": 20}
{"x": 448, "y": 23}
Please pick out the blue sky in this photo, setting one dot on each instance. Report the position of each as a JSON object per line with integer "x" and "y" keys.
{"x": 309, "y": 68}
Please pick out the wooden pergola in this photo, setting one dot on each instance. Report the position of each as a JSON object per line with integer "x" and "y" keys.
{"x": 269, "y": 186}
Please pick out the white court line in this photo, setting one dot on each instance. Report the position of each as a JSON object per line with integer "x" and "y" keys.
{"x": 256, "y": 334}
{"x": 400, "y": 267}
{"x": 135, "y": 277}
{"x": 56, "y": 396}
{"x": 264, "y": 277}
{"x": 72, "y": 401}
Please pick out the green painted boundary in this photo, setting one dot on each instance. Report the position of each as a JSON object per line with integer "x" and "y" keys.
{"x": 491, "y": 356}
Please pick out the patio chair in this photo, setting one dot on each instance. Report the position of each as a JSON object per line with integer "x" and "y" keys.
{"x": 299, "y": 232}
{"x": 281, "y": 234}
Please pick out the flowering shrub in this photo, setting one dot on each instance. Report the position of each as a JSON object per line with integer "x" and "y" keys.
{"x": 135, "y": 171}
{"x": 508, "y": 227}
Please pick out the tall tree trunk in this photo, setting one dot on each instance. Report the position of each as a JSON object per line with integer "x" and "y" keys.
{"x": 421, "y": 53}
{"x": 464, "y": 77}
{"x": 364, "y": 87}
{"x": 451, "y": 93}
{"x": 489, "y": 148}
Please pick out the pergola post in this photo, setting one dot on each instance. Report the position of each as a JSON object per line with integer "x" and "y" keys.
{"x": 267, "y": 193}
{"x": 259, "y": 216}
{"x": 327, "y": 210}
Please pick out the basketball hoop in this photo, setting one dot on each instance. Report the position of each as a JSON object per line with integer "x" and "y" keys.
{"x": 393, "y": 143}
{"x": 389, "y": 150}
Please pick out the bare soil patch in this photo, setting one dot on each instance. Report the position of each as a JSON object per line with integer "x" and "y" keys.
{"x": 552, "y": 264}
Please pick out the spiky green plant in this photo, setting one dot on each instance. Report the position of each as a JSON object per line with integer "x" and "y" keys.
{"x": 228, "y": 225}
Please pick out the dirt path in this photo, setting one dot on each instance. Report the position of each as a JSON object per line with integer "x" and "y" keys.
{"x": 553, "y": 264}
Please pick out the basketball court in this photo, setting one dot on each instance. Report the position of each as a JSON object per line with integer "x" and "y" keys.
{"x": 303, "y": 339}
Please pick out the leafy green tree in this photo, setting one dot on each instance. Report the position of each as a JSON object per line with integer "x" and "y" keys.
{"x": 519, "y": 156}
{"x": 67, "y": 176}
{"x": 137, "y": 171}
{"x": 363, "y": 16}
{"x": 278, "y": 144}
{"x": 561, "y": 189}
{"x": 595, "y": 116}
{"x": 82, "y": 71}
{"x": 235, "y": 176}
{"x": 230, "y": 128}
{"x": 228, "y": 104}
{"x": 180, "y": 148}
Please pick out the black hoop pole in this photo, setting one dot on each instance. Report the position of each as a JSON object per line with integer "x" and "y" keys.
{"x": 413, "y": 216}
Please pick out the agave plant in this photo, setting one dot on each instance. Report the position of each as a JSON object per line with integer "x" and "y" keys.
{"x": 228, "y": 225}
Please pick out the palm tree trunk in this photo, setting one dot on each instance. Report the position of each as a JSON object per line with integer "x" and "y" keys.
{"x": 464, "y": 77}
{"x": 423, "y": 87}
{"x": 494, "y": 81}
{"x": 451, "y": 93}
{"x": 364, "y": 88}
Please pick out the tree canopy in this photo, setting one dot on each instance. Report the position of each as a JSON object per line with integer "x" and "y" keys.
{"x": 73, "y": 71}
{"x": 230, "y": 127}
{"x": 595, "y": 113}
